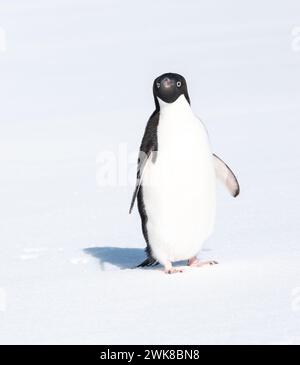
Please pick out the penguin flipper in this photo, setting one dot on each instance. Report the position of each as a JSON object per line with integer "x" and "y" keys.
{"x": 142, "y": 161}
{"x": 225, "y": 174}
{"x": 148, "y": 149}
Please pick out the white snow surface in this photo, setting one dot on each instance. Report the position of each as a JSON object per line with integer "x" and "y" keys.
{"x": 76, "y": 80}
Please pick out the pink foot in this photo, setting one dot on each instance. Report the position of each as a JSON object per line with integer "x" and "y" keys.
{"x": 194, "y": 262}
{"x": 169, "y": 269}
{"x": 173, "y": 271}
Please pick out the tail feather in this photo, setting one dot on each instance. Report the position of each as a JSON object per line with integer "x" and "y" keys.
{"x": 150, "y": 261}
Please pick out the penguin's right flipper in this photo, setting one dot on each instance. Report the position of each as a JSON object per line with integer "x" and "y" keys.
{"x": 225, "y": 174}
{"x": 142, "y": 161}
{"x": 148, "y": 149}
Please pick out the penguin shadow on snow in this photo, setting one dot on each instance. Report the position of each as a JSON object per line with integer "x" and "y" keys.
{"x": 122, "y": 257}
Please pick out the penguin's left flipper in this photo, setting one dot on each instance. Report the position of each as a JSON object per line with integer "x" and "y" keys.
{"x": 225, "y": 174}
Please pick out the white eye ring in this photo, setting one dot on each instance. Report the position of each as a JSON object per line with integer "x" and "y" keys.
{"x": 158, "y": 85}
{"x": 178, "y": 83}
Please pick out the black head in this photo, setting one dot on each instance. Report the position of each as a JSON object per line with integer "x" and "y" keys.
{"x": 168, "y": 87}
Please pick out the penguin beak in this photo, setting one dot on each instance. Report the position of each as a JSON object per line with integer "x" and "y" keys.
{"x": 167, "y": 83}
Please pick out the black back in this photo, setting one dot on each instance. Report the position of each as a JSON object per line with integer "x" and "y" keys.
{"x": 148, "y": 145}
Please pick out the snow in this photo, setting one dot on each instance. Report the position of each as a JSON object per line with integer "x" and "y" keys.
{"x": 75, "y": 89}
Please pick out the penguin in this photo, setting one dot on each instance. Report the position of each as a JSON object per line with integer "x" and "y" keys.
{"x": 176, "y": 179}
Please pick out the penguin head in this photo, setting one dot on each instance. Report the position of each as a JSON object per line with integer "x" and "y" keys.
{"x": 169, "y": 87}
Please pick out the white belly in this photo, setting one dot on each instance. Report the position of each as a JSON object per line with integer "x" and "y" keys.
{"x": 179, "y": 188}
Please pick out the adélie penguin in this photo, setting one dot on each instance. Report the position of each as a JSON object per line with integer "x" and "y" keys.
{"x": 176, "y": 179}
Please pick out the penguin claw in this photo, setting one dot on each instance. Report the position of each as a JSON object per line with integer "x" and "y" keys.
{"x": 173, "y": 271}
{"x": 194, "y": 262}
{"x": 169, "y": 269}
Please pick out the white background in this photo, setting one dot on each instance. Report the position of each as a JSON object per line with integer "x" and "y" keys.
{"x": 76, "y": 80}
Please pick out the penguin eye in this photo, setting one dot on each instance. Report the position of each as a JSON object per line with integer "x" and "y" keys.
{"x": 158, "y": 85}
{"x": 178, "y": 83}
